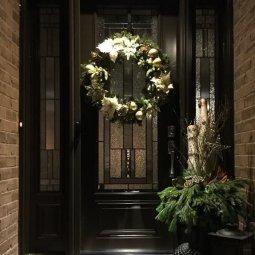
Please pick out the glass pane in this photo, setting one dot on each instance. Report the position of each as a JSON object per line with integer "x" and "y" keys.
{"x": 155, "y": 165}
{"x": 205, "y": 57}
{"x": 198, "y": 85}
{"x": 116, "y": 136}
{"x": 140, "y": 163}
{"x": 138, "y": 80}
{"x": 139, "y": 136}
{"x": 49, "y": 100}
{"x": 50, "y": 128}
{"x": 212, "y": 85}
{"x": 49, "y": 78}
{"x": 100, "y": 163}
{"x": 211, "y": 42}
{"x": 42, "y": 125}
{"x": 117, "y": 79}
{"x": 115, "y": 168}
{"x": 210, "y": 20}
{"x": 115, "y": 186}
{"x": 199, "y": 43}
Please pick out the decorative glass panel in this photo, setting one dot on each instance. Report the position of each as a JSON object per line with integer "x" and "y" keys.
{"x": 116, "y": 136}
{"x": 199, "y": 42}
{"x": 139, "y": 136}
{"x": 127, "y": 153}
{"x": 140, "y": 161}
{"x": 49, "y": 100}
{"x": 205, "y": 57}
{"x": 115, "y": 168}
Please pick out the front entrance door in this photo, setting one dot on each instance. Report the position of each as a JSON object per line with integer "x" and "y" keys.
{"x": 125, "y": 165}
{"x": 118, "y": 202}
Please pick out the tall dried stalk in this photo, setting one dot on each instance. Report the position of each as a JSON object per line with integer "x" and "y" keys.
{"x": 208, "y": 145}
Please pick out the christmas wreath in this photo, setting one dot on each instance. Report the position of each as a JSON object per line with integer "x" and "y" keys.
{"x": 143, "y": 52}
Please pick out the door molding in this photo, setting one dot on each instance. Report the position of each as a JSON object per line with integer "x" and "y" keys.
{"x": 75, "y": 161}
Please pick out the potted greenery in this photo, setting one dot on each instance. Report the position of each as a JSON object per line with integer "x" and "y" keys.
{"x": 203, "y": 199}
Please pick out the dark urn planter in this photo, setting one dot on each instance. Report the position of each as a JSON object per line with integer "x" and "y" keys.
{"x": 195, "y": 242}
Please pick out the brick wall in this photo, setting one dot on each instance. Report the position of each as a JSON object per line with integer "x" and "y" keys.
{"x": 244, "y": 89}
{"x": 9, "y": 102}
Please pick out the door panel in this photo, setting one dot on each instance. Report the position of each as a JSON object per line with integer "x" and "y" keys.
{"x": 126, "y": 220}
{"x": 120, "y": 172}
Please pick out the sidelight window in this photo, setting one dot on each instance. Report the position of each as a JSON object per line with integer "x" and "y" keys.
{"x": 205, "y": 57}
{"x": 49, "y": 99}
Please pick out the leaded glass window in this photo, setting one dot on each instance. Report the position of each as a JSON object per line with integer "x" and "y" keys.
{"x": 127, "y": 154}
{"x": 49, "y": 99}
{"x": 205, "y": 57}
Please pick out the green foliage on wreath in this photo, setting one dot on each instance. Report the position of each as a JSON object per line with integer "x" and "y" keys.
{"x": 96, "y": 77}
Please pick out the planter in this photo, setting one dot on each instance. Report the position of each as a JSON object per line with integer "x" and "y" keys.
{"x": 195, "y": 242}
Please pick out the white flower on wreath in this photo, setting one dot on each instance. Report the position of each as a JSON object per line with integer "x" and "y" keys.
{"x": 141, "y": 62}
{"x": 161, "y": 85}
{"x": 108, "y": 47}
{"x": 130, "y": 43}
{"x": 157, "y": 82}
{"x": 118, "y": 44}
{"x": 109, "y": 106}
{"x": 118, "y": 40}
{"x": 129, "y": 52}
{"x": 90, "y": 68}
{"x": 130, "y": 47}
{"x": 166, "y": 80}
{"x": 113, "y": 55}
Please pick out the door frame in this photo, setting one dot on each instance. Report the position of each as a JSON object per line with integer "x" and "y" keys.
{"x": 75, "y": 117}
{"x": 185, "y": 74}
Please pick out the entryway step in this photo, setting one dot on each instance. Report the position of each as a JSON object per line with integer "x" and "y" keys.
{"x": 126, "y": 252}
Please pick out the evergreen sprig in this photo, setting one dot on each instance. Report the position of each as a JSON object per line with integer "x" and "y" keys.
{"x": 215, "y": 204}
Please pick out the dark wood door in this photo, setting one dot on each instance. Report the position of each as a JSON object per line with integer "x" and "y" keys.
{"x": 124, "y": 166}
{"x": 68, "y": 208}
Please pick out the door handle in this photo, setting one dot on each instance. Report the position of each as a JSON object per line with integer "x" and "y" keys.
{"x": 171, "y": 152}
{"x": 171, "y": 148}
